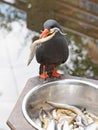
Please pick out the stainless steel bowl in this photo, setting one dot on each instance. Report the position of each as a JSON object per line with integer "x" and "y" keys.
{"x": 75, "y": 92}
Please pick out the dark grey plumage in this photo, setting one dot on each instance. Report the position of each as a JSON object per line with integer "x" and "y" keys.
{"x": 55, "y": 51}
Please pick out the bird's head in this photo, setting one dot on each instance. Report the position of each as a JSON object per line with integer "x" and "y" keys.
{"x": 49, "y": 27}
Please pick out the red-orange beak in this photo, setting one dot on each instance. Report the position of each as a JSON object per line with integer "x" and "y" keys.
{"x": 45, "y": 33}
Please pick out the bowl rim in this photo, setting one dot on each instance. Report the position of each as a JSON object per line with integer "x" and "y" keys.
{"x": 42, "y": 85}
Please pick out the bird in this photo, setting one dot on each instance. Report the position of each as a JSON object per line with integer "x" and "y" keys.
{"x": 53, "y": 51}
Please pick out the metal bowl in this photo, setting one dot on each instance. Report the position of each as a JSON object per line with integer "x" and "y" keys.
{"x": 75, "y": 92}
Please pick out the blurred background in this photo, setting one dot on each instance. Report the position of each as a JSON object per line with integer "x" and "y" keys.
{"x": 21, "y": 22}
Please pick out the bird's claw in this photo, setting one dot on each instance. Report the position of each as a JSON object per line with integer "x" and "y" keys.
{"x": 44, "y": 75}
{"x": 56, "y": 74}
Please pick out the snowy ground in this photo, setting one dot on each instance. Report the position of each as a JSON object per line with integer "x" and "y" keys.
{"x": 13, "y": 70}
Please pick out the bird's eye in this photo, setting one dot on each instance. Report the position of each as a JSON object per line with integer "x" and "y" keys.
{"x": 52, "y": 26}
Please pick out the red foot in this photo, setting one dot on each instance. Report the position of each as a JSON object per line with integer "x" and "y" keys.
{"x": 56, "y": 74}
{"x": 44, "y": 75}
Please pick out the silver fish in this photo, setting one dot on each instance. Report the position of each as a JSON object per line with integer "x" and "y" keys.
{"x": 52, "y": 125}
{"x": 38, "y": 122}
{"x": 71, "y": 108}
{"x": 43, "y": 116}
{"x": 66, "y": 126}
{"x": 42, "y": 113}
{"x": 36, "y": 42}
{"x": 93, "y": 116}
{"x": 92, "y": 126}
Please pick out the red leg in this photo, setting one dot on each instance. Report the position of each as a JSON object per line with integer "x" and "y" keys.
{"x": 55, "y": 73}
{"x": 44, "y": 75}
